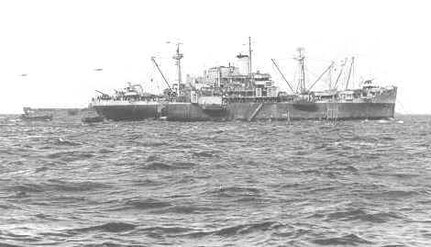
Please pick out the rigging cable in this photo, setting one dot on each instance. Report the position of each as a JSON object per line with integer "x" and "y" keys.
{"x": 282, "y": 75}
{"x": 321, "y": 75}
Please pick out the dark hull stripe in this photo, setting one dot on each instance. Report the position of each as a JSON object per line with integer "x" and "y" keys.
{"x": 243, "y": 111}
{"x": 128, "y": 112}
{"x": 282, "y": 111}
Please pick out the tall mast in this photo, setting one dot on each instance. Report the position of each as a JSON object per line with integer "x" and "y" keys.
{"x": 330, "y": 77}
{"x": 301, "y": 61}
{"x": 350, "y": 72}
{"x": 178, "y": 56}
{"x": 339, "y": 74}
{"x": 250, "y": 67}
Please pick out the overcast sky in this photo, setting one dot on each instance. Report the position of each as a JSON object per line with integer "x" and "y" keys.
{"x": 57, "y": 45}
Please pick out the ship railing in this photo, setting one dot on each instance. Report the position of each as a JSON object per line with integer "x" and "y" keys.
{"x": 251, "y": 99}
{"x": 141, "y": 98}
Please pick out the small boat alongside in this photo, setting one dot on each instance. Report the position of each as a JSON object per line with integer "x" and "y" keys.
{"x": 128, "y": 104}
{"x": 93, "y": 119}
{"x": 32, "y": 115}
{"x": 90, "y": 115}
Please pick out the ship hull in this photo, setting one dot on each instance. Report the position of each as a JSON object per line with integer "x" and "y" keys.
{"x": 281, "y": 111}
{"x": 128, "y": 112}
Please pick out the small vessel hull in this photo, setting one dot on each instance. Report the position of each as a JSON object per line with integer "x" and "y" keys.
{"x": 31, "y": 114}
{"x": 131, "y": 112}
{"x": 93, "y": 119}
{"x": 37, "y": 118}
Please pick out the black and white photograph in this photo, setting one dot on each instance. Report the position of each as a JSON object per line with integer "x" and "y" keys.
{"x": 215, "y": 123}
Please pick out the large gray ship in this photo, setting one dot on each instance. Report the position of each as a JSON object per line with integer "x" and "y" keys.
{"x": 231, "y": 92}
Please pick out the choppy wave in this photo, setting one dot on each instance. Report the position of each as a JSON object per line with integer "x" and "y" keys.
{"x": 309, "y": 183}
{"x": 349, "y": 240}
{"x": 107, "y": 227}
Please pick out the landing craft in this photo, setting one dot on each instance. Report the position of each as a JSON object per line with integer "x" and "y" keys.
{"x": 32, "y": 115}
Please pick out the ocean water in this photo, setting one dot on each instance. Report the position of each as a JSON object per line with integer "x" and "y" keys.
{"x": 310, "y": 183}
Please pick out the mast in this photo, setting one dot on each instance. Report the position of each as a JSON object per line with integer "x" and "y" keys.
{"x": 178, "y": 56}
{"x": 339, "y": 74}
{"x": 301, "y": 61}
{"x": 330, "y": 77}
{"x": 350, "y": 72}
{"x": 250, "y": 67}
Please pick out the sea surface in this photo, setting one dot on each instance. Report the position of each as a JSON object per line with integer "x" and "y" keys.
{"x": 158, "y": 183}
